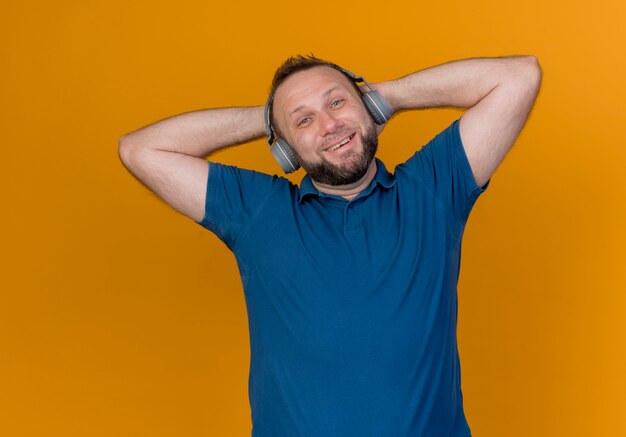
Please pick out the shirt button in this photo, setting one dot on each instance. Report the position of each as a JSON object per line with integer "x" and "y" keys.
{"x": 350, "y": 206}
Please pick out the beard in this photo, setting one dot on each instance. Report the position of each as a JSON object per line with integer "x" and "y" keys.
{"x": 326, "y": 172}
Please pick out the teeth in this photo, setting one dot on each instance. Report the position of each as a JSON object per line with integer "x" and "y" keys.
{"x": 336, "y": 146}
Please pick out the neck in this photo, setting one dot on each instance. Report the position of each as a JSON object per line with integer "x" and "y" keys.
{"x": 349, "y": 191}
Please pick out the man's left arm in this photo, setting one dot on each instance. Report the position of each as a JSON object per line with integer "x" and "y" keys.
{"x": 499, "y": 93}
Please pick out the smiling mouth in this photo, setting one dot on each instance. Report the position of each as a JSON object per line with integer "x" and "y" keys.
{"x": 340, "y": 144}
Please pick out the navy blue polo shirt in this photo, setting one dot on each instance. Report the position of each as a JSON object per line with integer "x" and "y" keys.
{"x": 352, "y": 305}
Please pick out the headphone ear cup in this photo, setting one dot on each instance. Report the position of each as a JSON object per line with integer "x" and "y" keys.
{"x": 285, "y": 155}
{"x": 378, "y": 108}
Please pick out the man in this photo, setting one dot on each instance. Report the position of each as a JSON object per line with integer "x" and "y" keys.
{"x": 350, "y": 279}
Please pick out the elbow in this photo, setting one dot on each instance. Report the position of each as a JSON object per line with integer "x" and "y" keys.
{"x": 526, "y": 74}
{"x": 123, "y": 142}
{"x": 533, "y": 72}
{"x": 124, "y": 149}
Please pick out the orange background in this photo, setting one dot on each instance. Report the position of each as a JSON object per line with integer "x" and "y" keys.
{"x": 120, "y": 317}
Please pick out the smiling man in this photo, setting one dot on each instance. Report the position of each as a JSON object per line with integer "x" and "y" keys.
{"x": 349, "y": 278}
{"x": 338, "y": 151}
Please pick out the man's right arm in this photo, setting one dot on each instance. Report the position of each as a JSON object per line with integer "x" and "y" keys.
{"x": 168, "y": 156}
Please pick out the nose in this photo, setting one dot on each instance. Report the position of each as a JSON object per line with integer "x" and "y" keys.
{"x": 328, "y": 122}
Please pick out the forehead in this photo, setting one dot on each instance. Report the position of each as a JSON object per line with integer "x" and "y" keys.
{"x": 304, "y": 86}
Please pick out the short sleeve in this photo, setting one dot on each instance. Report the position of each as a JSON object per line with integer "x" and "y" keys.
{"x": 443, "y": 166}
{"x": 234, "y": 196}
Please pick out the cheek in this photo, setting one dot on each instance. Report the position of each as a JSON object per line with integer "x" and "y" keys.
{"x": 304, "y": 144}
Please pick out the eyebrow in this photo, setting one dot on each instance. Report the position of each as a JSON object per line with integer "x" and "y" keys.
{"x": 326, "y": 93}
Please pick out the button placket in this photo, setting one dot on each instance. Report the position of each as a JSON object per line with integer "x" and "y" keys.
{"x": 351, "y": 217}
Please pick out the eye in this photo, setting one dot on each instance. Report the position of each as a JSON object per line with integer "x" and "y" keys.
{"x": 304, "y": 121}
{"x": 336, "y": 103}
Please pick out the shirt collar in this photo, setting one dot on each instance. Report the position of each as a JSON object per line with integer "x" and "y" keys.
{"x": 382, "y": 177}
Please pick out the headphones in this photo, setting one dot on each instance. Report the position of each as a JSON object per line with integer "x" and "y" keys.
{"x": 285, "y": 155}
